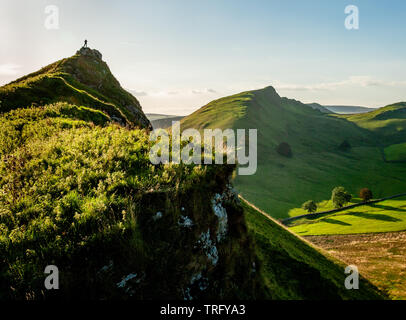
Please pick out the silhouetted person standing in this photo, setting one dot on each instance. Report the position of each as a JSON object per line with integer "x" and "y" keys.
{"x": 85, "y": 46}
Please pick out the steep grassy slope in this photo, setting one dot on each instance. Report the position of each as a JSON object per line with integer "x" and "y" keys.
{"x": 84, "y": 80}
{"x": 348, "y": 109}
{"x": 317, "y": 165}
{"x": 380, "y": 257}
{"x": 294, "y": 269}
{"x": 80, "y": 193}
{"x": 389, "y": 123}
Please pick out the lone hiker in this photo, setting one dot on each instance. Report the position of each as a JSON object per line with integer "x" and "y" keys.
{"x": 85, "y": 46}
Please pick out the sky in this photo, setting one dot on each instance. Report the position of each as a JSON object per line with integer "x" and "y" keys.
{"x": 177, "y": 55}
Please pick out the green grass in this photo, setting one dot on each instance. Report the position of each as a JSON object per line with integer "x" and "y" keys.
{"x": 389, "y": 123}
{"x": 396, "y": 152}
{"x": 317, "y": 165}
{"x": 322, "y": 206}
{"x": 78, "y": 192}
{"x": 294, "y": 269}
{"x": 386, "y": 216}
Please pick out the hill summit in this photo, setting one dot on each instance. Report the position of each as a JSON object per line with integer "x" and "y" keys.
{"x": 83, "y": 79}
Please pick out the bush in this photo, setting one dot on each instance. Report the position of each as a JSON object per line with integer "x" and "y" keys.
{"x": 340, "y": 197}
{"x": 365, "y": 194}
{"x": 345, "y": 146}
{"x": 310, "y": 206}
{"x": 285, "y": 150}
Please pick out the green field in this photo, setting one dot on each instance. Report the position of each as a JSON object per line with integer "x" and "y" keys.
{"x": 317, "y": 166}
{"x": 322, "y": 206}
{"x": 396, "y": 152}
{"x": 385, "y": 216}
{"x": 283, "y": 254}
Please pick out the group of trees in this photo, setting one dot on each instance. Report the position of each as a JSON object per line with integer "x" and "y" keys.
{"x": 339, "y": 197}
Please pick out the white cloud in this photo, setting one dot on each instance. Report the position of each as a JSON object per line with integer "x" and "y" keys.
{"x": 208, "y": 90}
{"x": 138, "y": 93}
{"x": 9, "y": 69}
{"x": 361, "y": 81}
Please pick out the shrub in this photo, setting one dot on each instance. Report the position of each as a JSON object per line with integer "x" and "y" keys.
{"x": 310, "y": 206}
{"x": 365, "y": 194}
{"x": 340, "y": 197}
{"x": 345, "y": 146}
{"x": 284, "y": 149}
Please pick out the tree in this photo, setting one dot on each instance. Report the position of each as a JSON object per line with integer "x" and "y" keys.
{"x": 340, "y": 197}
{"x": 365, "y": 194}
{"x": 310, "y": 206}
{"x": 345, "y": 146}
{"x": 284, "y": 149}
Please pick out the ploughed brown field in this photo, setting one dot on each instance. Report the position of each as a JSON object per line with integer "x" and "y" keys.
{"x": 380, "y": 257}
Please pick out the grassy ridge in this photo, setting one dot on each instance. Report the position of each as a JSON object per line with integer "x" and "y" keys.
{"x": 386, "y": 216}
{"x": 317, "y": 165}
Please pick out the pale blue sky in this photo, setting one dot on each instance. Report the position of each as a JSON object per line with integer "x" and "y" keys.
{"x": 177, "y": 55}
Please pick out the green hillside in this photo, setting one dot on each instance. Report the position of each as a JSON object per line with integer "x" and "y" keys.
{"x": 295, "y": 269}
{"x": 396, "y": 152}
{"x": 83, "y": 80}
{"x": 318, "y": 163}
{"x": 386, "y": 216}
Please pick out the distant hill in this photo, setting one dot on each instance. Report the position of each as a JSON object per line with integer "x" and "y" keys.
{"x": 318, "y": 163}
{"x": 161, "y": 120}
{"x": 340, "y": 109}
{"x": 348, "y": 109}
{"x": 303, "y": 271}
{"x": 83, "y": 79}
{"x": 319, "y": 107}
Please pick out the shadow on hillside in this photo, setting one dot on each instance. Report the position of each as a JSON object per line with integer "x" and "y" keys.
{"x": 333, "y": 221}
{"x": 374, "y": 216}
{"x": 389, "y": 208}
